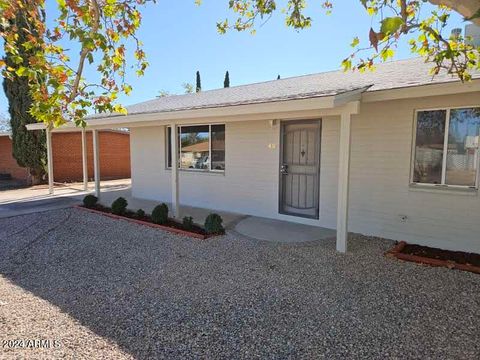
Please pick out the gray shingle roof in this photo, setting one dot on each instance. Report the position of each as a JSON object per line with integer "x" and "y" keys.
{"x": 390, "y": 75}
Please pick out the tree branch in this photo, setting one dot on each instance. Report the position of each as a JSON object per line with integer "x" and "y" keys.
{"x": 85, "y": 50}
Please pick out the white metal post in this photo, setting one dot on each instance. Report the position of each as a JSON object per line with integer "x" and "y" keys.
{"x": 343, "y": 176}
{"x": 96, "y": 162}
{"x": 84, "y": 160}
{"x": 49, "y": 160}
{"x": 175, "y": 180}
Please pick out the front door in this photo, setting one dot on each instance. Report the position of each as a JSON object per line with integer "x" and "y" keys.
{"x": 300, "y": 168}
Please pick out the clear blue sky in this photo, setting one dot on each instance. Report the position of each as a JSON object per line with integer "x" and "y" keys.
{"x": 181, "y": 38}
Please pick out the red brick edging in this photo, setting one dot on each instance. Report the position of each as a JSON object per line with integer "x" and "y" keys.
{"x": 145, "y": 223}
{"x": 397, "y": 253}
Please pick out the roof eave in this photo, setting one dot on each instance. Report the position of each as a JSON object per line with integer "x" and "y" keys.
{"x": 416, "y": 91}
{"x": 274, "y": 108}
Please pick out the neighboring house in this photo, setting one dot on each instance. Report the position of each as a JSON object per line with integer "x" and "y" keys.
{"x": 197, "y": 155}
{"x": 67, "y": 156}
{"x": 391, "y": 153}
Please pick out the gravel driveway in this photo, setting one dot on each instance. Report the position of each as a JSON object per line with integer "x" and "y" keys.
{"x": 112, "y": 289}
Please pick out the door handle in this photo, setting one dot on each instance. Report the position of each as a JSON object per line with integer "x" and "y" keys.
{"x": 284, "y": 169}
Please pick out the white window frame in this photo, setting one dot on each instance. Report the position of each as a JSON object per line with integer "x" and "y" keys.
{"x": 167, "y": 148}
{"x": 443, "y": 183}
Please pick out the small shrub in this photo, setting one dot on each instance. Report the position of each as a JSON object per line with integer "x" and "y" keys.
{"x": 213, "y": 224}
{"x": 188, "y": 223}
{"x": 119, "y": 206}
{"x": 160, "y": 214}
{"x": 140, "y": 213}
{"x": 90, "y": 201}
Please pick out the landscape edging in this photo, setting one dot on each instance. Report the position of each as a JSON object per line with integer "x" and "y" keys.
{"x": 397, "y": 253}
{"x": 145, "y": 223}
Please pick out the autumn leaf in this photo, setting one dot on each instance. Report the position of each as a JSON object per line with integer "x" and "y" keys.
{"x": 372, "y": 35}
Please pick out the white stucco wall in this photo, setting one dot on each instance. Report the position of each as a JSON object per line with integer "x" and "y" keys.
{"x": 382, "y": 138}
{"x": 250, "y": 182}
{"x": 379, "y": 181}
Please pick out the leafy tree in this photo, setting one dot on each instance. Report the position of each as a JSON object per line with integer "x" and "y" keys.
{"x": 188, "y": 88}
{"x": 4, "y": 124}
{"x": 29, "y": 147}
{"x": 163, "y": 93}
{"x": 396, "y": 19}
{"x": 102, "y": 28}
{"x": 198, "y": 83}
{"x": 226, "y": 82}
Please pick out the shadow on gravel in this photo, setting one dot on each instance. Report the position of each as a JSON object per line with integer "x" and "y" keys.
{"x": 163, "y": 296}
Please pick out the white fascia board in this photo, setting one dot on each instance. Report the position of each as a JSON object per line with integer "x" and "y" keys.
{"x": 234, "y": 113}
{"x": 224, "y": 111}
{"x": 449, "y": 88}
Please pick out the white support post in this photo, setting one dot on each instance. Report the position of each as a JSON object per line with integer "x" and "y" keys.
{"x": 96, "y": 162}
{"x": 175, "y": 180}
{"x": 49, "y": 161}
{"x": 84, "y": 160}
{"x": 343, "y": 176}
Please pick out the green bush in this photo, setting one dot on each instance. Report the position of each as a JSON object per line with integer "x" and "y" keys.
{"x": 213, "y": 224}
{"x": 188, "y": 223}
{"x": 160, "y": 214}
{"x": 119, "y": 206}
{"x": 140, "y": 213}
{"x": 90, "y": 201}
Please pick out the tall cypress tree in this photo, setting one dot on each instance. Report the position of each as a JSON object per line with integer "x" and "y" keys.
{"x": 226, "y": 82}
{"x": 29, "y": 147}
{"x": 198, "y": 87}
{"x": 278, "y": 77}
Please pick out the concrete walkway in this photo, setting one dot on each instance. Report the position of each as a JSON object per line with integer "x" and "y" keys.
{"x": 35, "y": 199}
{"x": 198, "y": 214}
{"x": 281, "y": 231}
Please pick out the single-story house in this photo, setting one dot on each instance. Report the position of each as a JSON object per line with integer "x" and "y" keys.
{"x": 391, "y": 153}
{"x": 67, "y": 156}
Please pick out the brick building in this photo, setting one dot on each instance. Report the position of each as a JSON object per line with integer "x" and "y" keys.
{"x": 67, "y": 156}
{"x": 8, "y": 165}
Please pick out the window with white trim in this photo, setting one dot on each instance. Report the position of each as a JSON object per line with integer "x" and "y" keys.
{"x": 201, "y": 147}
{"x": 446, "y": 147}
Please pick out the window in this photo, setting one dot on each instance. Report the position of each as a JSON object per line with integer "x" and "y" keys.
{"x": 446, "y": 147}
{"x": 218, "y": 147}
{"x": 429, "y": 147}
{"x": 201, "y": 147}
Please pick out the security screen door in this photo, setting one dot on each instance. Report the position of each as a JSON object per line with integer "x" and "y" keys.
{"x": 300, "y": 168}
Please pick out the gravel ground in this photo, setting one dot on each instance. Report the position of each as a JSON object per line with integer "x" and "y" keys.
{"x": 111, "y": 289}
